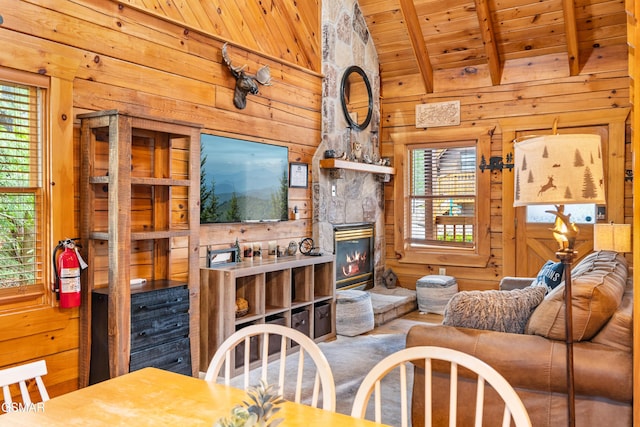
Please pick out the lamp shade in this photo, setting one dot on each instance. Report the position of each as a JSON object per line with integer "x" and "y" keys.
{"x": 558, "y": 169}
{"x": 612, "y": 237}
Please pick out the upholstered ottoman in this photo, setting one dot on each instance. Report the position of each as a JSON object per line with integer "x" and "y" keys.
{"x": 434, "y": 292}
{"x": 354, "y": 312}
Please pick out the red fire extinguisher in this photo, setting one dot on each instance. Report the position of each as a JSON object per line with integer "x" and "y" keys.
{"x": 67, "y": 267}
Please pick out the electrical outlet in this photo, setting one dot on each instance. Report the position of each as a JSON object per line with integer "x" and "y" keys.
{"x": 442, "y": 271}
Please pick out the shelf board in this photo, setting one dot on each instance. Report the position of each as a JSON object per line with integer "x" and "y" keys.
{"x": 298, "y": 304}
{"x": 356, "y": 166}
{"x": 322, "y": 298}
{"x": 144, "y": 181}
{"x": 143, "y": 235}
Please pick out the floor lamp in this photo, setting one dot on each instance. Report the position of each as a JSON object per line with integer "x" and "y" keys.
{"x": 560, "y": 170}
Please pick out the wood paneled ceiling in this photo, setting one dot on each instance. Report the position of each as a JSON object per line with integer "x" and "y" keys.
{"x": 432, "y": 37}
{"x": 426, "y": 46}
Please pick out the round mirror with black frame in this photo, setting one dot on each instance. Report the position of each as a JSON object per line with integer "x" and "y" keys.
{"x": 356, "y": 97}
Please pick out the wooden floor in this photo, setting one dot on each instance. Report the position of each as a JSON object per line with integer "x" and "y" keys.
{"x": 404, "y": 323}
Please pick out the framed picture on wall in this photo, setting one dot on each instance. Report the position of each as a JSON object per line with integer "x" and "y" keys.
{"x": 298, "y": 175}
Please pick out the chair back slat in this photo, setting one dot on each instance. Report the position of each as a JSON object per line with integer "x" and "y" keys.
{"x": 19, "y": 375}
{"x": 317, "y": 367}
{"x": 486, "y": 375}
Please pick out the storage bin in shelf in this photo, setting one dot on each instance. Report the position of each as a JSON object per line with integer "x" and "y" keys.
{"x": 300, "y": 320}
{"x": 275, "y": 341}
{"x": 254, "y": 349}
{"x": 321, "y": 319}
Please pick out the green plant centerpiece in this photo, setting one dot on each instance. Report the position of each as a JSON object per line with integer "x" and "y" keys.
{"x": 258, "y": 411}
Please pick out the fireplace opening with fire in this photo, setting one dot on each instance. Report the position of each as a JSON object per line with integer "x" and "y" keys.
{"x": 354, "y": 255}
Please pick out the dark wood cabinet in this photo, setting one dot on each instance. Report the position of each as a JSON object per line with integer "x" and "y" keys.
{"x": 159, "y": 329}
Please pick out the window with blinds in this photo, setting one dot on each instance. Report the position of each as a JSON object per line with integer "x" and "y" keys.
{"x": 442, "y": 196}
{"x": 21, "y": 252}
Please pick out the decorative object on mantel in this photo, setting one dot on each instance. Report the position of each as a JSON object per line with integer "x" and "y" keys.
{"x": 245, "y": 83}
{"x": 356, "y": 151}
{"x": 262, "y": 405}
{"x": 438, "y": 114}
{"x": 496, "y": 163}
{"x": 557, "y": 170}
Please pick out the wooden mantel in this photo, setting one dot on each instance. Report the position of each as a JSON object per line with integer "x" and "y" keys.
{"x": 356, "y": 166}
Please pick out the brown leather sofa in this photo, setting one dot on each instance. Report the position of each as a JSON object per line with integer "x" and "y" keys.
{"x": 534, "y": 363}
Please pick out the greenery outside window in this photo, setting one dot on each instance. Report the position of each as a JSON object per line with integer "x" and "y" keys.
{"x": 442, "y": 199}
{"x": 22, "y": 222}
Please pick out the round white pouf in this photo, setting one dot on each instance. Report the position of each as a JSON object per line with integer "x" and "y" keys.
{"x": 354, "y": 312}
{"x": 434, "y": 292}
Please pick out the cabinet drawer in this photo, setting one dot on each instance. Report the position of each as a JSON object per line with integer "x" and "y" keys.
{"x": 172, "y": 356}
{"x": 156, "y": 330}
{"x": 159, "y": 303}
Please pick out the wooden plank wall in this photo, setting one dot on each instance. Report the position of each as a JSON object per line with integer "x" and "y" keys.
{"x": 518, "y": 96}
{"x": 633, "y": 37}
{"x": 105, "y": 54}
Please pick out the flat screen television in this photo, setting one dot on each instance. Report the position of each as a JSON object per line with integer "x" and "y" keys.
{"x": 242, "y": 181}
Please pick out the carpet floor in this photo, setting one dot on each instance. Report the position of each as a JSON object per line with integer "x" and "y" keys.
{"x": 351, "y": 358}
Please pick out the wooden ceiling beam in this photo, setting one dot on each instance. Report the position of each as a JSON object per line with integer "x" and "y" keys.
{"x": 417, "y": 42}
{"x": 489, "y": 41}
{"x": 571, "y": 33}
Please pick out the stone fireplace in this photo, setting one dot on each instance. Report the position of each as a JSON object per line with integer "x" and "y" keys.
{"x": 354, "y": 251}
{"x": 355, "y": 197}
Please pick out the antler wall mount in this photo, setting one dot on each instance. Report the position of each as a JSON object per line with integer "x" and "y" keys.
{"x": 245, "y": 83}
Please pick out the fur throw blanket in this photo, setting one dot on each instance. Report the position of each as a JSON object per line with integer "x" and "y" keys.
{"x": 502, "y": 311}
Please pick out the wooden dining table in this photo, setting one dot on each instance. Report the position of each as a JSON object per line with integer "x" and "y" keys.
{"x": 154, "y": 397}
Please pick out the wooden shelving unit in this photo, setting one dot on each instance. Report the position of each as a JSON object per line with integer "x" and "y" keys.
{"x": 140, "y": 187}
{"x": 296, "y": 291}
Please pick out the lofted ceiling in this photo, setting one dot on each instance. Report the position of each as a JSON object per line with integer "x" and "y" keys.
{"x": 426, "y": 46}
{"x": 436, "y": 38}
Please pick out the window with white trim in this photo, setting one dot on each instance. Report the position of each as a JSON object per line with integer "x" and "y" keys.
{"x": 21, "y": 189}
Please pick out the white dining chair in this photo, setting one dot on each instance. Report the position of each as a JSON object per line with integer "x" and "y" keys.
{"x": 20, "y": 375}
{"x": 514, "y": 408}
{"x": 271, "y": 366}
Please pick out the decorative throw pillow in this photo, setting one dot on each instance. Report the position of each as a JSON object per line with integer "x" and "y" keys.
{"x": 597, "y": 286}
{"x": 550, "y": 275}
{"x": 502, "y": 311}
